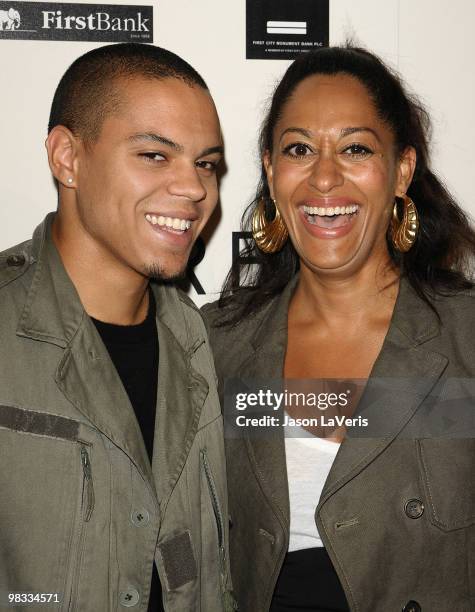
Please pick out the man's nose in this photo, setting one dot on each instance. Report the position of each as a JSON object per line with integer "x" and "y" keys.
{"x": 326, "y": 173}
{"x": 186, "y": 182}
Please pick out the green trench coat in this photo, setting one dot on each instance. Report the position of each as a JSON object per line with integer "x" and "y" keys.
{"x": 83, "y": 514}
{"x": 389, "y": 555}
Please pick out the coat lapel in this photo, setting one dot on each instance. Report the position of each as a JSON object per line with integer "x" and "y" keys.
{"x": 181, "y": 392}
{"x": 403, "y": 375}
{"x": 89, "y": 380}
{"x": 266, "y": 362}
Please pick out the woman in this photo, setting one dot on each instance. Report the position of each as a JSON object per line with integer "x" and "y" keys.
{"x": 362, "y": 277}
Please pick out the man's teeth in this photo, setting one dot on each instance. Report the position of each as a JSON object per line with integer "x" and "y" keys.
{"x": 330, "y": 211}
{"x": 171, "y": 222}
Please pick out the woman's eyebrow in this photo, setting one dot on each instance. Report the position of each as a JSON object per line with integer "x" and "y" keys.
{"x": 343, "y": 132}
{"x": 353, "y": 130}
{"x": 297, "y": 130}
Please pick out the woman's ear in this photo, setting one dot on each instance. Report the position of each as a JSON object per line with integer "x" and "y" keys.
{"x": 405, "y": 171}
{"x": 266, "y": 160}
{"x": 61, "y": 145}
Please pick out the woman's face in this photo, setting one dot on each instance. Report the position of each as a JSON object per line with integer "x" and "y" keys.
{"x": 334, "y": 173}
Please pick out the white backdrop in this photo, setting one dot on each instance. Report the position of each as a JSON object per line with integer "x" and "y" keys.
{"x": 431, "y": 43}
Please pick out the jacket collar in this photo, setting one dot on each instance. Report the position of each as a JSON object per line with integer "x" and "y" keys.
{"x": 86, "y": 376}
{"x": 272, "y": 330}
{"x": 403, "y": 356}
{"x": 53, "y": 311}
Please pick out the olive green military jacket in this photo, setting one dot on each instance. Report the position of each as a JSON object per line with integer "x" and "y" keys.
{"x": 83, "y": 514}
{"x": 397, "y": 512}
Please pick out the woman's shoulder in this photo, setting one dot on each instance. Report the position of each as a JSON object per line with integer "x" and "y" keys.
{"x": 229, "y": 334}
{"x": 228, "y": 315}
{"x": 457, "y": 308}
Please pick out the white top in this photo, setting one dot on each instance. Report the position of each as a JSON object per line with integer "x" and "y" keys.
{"x": 309, "y": 460}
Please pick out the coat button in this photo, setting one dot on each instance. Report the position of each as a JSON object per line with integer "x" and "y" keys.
{"x": 140, "y": 517}
{"x": 412, "y": 606}
{"x": 414, "y": 508}
{"x": 15, "y": 261}
{"x": 129, "y": 598}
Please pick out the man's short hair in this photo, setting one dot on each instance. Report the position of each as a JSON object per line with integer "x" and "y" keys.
{"x": 88, "y": 92}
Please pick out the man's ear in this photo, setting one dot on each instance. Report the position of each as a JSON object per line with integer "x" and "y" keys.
{"x": 266, "y": 161}
{"x": 62, "y": 147}
{"x": 405, "y": 171}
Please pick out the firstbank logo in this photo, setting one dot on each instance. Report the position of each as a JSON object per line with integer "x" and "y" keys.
{"x": 10, "y": 20}
{"x": 100, "y": 21}
{"x": 76, "y": 22}
{"x": 287, "y": 27}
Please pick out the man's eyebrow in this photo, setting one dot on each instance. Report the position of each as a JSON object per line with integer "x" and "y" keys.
{"x": 151, "y": 137}
{"x": 210, "y": 150}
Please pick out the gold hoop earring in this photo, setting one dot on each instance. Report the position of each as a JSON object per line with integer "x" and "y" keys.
{"x": 270, "y": 236}
{"x": 404, "y": 233}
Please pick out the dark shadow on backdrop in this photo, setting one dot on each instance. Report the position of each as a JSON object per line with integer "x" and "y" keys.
{"x": 199, "y": 248}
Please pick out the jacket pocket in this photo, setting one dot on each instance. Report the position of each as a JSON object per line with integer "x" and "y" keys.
{"x": 40, "y": 481}
{"x": 229, "y": 603}
{"x": 86, "y": 508}
{"x": 448, "y": 467}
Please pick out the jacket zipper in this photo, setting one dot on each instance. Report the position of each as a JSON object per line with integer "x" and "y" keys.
{"x": 88, "y": 484}
{"x": 214, "y": 501}
{"x": 87, "y": 507}
{"x": 229, "y": 603}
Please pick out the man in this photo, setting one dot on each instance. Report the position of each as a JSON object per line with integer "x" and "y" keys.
{"x": 112, "y": 462}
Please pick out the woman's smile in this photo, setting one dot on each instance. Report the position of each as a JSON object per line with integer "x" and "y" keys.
{"x": 332, "y": 218}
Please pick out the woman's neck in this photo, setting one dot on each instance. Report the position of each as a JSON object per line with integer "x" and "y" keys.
{"x": 339, "y": 302}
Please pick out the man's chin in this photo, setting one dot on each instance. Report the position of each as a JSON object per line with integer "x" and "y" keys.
{"x": 157, "y": 272}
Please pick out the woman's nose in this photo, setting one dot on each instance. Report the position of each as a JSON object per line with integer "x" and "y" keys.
{"x": 326, "y": 173}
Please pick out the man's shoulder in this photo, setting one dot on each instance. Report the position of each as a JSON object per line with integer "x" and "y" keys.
{"x": 14, "y": 262}
{"x": 179, "y": 311}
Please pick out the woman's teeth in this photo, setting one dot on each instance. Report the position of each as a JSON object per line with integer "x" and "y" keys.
{"x": 330, "y": 211}
{"x": 169, "y": 222}
{"x": 331, "y": 217}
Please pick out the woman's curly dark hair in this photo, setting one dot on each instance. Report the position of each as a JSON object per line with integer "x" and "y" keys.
{"x": 438, "y": 262}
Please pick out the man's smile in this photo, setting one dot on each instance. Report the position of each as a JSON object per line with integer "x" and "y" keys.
{"x": 169, "y": 223}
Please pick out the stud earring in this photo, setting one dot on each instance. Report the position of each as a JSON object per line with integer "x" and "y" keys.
{"x": 70, "y": 180}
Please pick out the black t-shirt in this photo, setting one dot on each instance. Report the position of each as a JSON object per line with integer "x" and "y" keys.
{"x": 308, "y": 581}
{"x": 133, "y": 350}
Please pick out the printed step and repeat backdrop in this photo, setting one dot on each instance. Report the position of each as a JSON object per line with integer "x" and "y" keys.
{"x": 241, "y": 49}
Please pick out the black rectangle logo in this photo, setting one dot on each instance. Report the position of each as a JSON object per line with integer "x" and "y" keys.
{"x": 280, "y": 29}
{"x": 75, "y": 22}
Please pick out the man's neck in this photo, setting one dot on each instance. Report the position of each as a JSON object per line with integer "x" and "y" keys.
{"x": 109, "y": 292}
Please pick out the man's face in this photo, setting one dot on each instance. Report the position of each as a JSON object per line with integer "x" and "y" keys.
{"x": 147, "y": 186}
